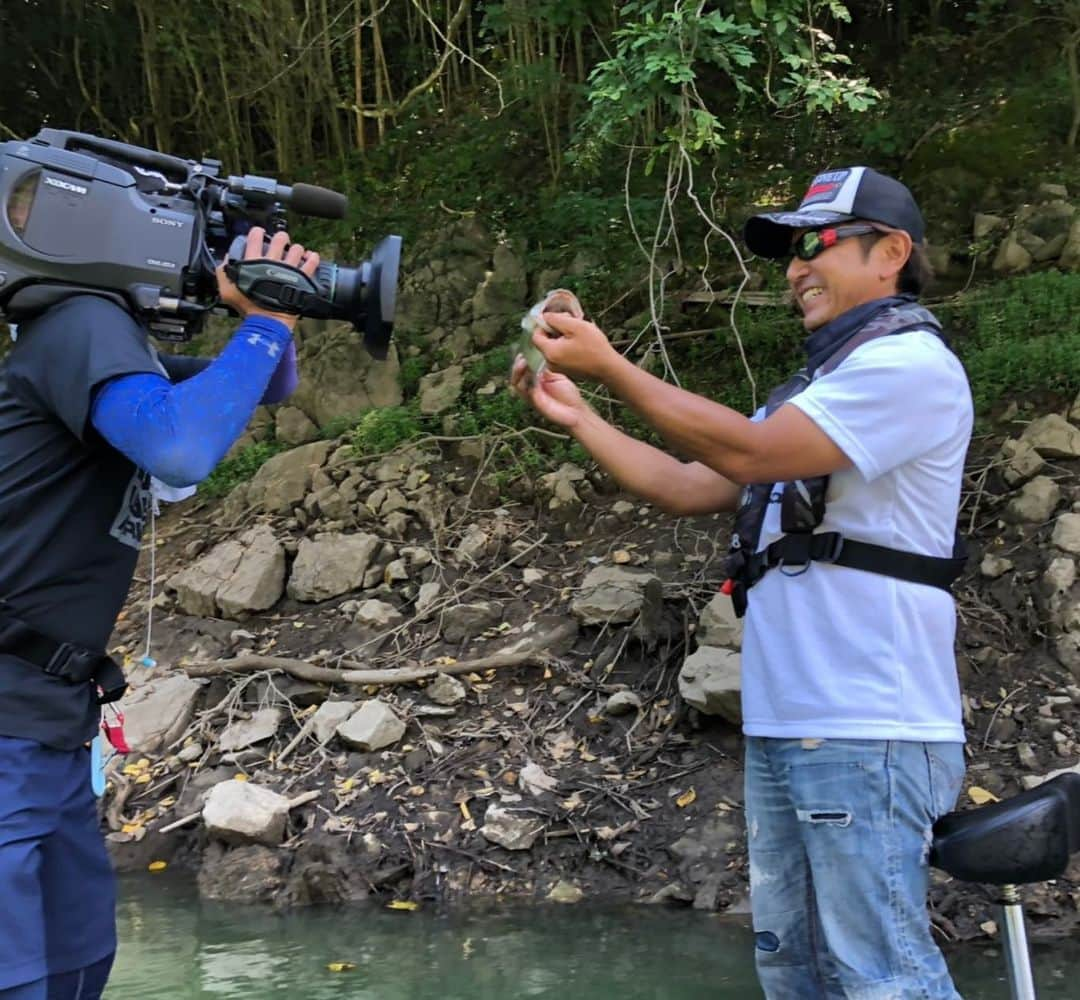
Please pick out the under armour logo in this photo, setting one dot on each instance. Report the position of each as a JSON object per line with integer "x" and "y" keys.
{"x": 272, "y": 348}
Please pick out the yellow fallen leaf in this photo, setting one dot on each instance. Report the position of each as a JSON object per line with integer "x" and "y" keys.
{"x": 348, "y": 784}
{"x": 620, "y": 556}
{"x": 463, "y": 806}
{"x": 403, "y": 904}
{"x": 980, "y": 796}
{"x": 341, "y": 966}
{"x": 686, "y": 798}
{"x": 416, "y": 791}
{"x": 143, "y": 779}
{"x": 157, "y": 866}
{"x": 131, "y": 828}
{"x": 240, "y": 777}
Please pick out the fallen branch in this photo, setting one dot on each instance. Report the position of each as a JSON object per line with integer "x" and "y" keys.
{"x": 400, "y": 675}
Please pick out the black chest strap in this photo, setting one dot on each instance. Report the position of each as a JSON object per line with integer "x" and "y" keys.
{"x": 66, "y": 660}
{"x": 793, "y": 554}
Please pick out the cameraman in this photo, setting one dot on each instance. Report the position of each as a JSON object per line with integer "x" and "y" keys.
{"x": 88, "y": 414}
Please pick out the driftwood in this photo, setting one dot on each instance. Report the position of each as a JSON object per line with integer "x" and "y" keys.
{"x": 354, "y": 674}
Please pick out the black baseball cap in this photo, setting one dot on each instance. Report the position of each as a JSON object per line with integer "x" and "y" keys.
{"x": 833, "y": 197}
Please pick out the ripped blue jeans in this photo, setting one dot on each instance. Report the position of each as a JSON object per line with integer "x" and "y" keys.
{"x": 839, "y": 835}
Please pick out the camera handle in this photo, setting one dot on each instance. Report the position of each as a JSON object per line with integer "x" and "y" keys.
{"x": 278, "y": 287}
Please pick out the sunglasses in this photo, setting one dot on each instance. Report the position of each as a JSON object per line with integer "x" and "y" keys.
{"x": 816, "y": 241}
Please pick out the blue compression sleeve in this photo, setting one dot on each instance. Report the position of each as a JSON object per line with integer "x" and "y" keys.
{"x": 178, "y": 433}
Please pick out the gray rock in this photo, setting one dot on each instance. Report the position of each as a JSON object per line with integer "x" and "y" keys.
{"x": 565, "y": 892}
{"x": 1011, "y": 257}
{"x": 1074, "y": 410}
{"x": 293, "y": 426}
{"x": 510, "y": 830}
{"x": 328, "y": 716}
{"x": 1036, "y": 502}
{"x": 445, "y": 690}
{"x": 1070, "y": 256}
{"x": 396, "y": 572}
{"x": 1060, "y": 575}
{"x": 262, "y": 725}
{"x": 1066, "y": 534}
{"x": 372, "y": 726}
{"x": 340, "y": 378}
{"x": 993, "y": 566}
{"x": 622, "y": 703}
{"x": 611, "y": 594}
{"x": 473, "y": 546}
{"x": 467, "y": 621}
{"x": 257, "y": 582}
{"x": 377, "y": 614}
{"x": 1053, "y": 436}
{"x": 558, "y": 486}
{"x": 984, "y": 225}
{"x": 331, "y": 564}
{"x": 718, "y": 625}
{"x": 440, "y": 390}
{"x": 427, "y": 596}
{"x": 283, "y": 481}
{"x": 711, "y": 681}
{"x": 157, "y": 713}
{"x": 191, "y": 753}
{"x": 197, "y": 586}
{"x": 239, "y": 812}
{"x": 1022, "y": 461}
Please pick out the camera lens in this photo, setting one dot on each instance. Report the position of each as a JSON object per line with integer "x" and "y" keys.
{"x": 366, "y": 295}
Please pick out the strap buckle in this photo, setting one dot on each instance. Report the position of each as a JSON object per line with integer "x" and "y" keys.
{"x": 72, "y": 663}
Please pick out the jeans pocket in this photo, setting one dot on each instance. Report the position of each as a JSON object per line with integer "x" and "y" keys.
{"x": 945, "y": 763}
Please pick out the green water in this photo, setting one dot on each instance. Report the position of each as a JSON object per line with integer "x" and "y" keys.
{"x": 175, "y": 947}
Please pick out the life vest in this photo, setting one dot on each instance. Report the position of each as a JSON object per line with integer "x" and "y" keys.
{"x": 802, "y": 502}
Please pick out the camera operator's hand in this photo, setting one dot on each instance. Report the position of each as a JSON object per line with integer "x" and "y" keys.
{"x": 278, "y": 249}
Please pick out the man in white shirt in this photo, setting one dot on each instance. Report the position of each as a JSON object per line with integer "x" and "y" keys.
{"x": 842, "y": 559}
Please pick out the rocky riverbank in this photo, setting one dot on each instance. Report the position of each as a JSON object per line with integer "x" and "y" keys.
{"x": 400, "y": 680}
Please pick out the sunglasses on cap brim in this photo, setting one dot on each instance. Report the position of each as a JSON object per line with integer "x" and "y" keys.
{"x": 808, "y": 245}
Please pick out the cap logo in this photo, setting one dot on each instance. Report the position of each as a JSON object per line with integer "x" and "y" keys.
{"x": 824, "y": 188}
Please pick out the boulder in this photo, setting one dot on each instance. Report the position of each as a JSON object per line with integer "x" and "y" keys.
{"x": 257, "y": 582}
{"x": 1053, "y": 436}
{"x": 467, "y": 621}
{"x": 1036, "y": 502}
{"x": 1022, "y": 461}
{"x": 262, "y": 725}
{"x": 328, "y": 716}
{"x": 1066, "y": 534}
{"x": 510, "y": 830}
{"x": 372, "y": 726}
{"x": 293, "y": 426}
{"x": 445, "y": 690}
{"x": 718, "y": 625}
{"x": 711, "y": 681}
{"x": 331, "y": 564}
{"x": 612, "y": 594}
{"x": 440, "y": 390}
{"x": 157, "y": 712}
{"x": 239, "y": 812}
{"x": 283, "y": 481}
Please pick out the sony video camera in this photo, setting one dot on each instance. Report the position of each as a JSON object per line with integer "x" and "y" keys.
{"x": 80, "y": 214}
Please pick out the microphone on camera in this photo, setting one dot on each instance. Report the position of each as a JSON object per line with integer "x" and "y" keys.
{"x": 310, "y": 199}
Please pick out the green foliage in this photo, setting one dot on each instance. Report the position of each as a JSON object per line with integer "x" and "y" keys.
{"x": 770, "y": 52}
{"x": 240, "y": 468}
{"x": 382, "y": 430}
{"x": 1019, "y": 336}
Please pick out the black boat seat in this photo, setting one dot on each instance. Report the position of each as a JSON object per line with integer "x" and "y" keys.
{"x": 1028, "y": 838}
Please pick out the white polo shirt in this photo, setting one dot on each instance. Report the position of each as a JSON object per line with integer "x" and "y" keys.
{"x": 843, "y": 653}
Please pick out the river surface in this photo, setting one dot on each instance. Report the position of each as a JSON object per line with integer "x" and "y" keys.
{"x": 175, "y": 947}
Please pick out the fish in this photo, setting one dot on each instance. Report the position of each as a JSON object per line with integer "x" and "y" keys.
{"x": 558, "y": 300}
